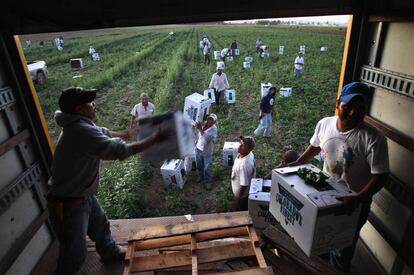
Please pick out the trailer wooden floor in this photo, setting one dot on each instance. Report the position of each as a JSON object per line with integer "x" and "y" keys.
{"x": 123, "y": 229}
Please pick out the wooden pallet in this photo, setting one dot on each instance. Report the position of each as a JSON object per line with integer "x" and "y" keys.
{"x": 195, "y": 243}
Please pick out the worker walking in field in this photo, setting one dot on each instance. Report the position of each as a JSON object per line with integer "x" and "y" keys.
{"x": 299, "y": 63}
{"x": 73, "y": 207}
{"x": 206, "y": 51}
{"x": 265, "y": 115}
{"x": 141, "y": 110}
{"x": 219, "y": 83}
{"x": 233, "y": 47}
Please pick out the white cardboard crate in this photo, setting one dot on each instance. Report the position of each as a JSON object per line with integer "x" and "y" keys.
{"x": 285, "y": 92}
{"x": 178, "y": 146}
{"x": 248, "y": 59}
{"x": 196, "y": 107}
{"x": 314, "y": 219}
{"x": 324, "y": 49}
{"x": 96, "y": 57}
{"x": 221, "y": 64}
{"x": 281, "y": 49}
{"x": 201, "y": 44}
{"x": 264, "y": 88}
{"x": 302, "y": 49}
{"x": 259, "y": 198}
{"x": 173, "y": 172}
{"x": 229, "y": 58}
{"x": 210, "y": 94}
{"x": 190, "y": 165}
{"x": 246, "y": 65}
{"x": 217, "y": 55}
{"x": 236, "y": 51}
{"x": 230, "y": 96}
{"x": 230, "y": 153}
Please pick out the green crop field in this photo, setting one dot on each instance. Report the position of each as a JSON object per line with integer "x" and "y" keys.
{"x": 144, "y": 60}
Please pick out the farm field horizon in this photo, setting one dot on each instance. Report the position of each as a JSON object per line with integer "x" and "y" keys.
{"x": 142, "y": 59}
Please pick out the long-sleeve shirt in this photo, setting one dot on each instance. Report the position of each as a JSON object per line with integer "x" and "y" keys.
{"x": 219, "y": 82}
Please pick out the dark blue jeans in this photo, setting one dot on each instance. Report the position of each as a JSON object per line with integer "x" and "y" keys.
{"x": 77, "y": 219}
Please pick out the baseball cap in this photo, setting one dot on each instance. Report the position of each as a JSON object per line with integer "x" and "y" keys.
{"x": 74, "y": 96}
{"x": 349, "y": 91}
{"x": 213, "y": 116}
{"x": 249, "y": 141}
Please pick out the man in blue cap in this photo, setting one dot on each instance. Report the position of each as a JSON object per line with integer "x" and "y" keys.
{"x": 354, "y": 154}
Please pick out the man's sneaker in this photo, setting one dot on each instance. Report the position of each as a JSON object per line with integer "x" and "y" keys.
{"x": 208, "y": 185}
{"x": 118, "y": 254}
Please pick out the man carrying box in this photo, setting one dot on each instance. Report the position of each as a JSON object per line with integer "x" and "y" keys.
{"x": 354, "y": 154}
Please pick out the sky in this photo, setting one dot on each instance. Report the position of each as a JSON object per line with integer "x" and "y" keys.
{"x": 342, "y": 19}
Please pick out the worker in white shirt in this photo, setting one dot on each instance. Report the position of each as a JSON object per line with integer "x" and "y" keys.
{"x": 299, "y": 62}
{"x": 219, "y": 83}
{"x": 141, "y": 110}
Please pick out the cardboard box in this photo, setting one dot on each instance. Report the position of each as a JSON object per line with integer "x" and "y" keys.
{"x": 264, "y": 88}
{"x": 246, "y": 65}
{"x": 196, "y": 107}
{"x": 281, "y": 49}
{"x": 324, "y": 49}
{"x": 314, "y": 219}
{"x": 96, "y": 57}
{"x": 201, "y": 44}
{"x": 190, "y": 165}
{"x": 248, "y": 59}
{"x": 173, "y": 172}
{"x": 230, "y": 96}
{"x": 259, "y": 198}
{"x": 285, "y": 92}
{"x": 229, "y": 58}
{"x": 217, "y": 55}
{"x": 221, "y": 65}
{"x": 230, "y": 153}
{"x": 236, "y": 51}
{"x": 210, "y": 94}
{"x": 302, "y": 49}
{"x": 77, "y": 63}
{"x": 180, "y": 145}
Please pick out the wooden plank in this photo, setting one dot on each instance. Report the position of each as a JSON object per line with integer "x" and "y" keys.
{"x": 223, "y": 220}
{"x": 186, "y": 239}
{"x": 129, "y": 258}
{"x": 289, "y": 248}
{"x": 256, "y": 247}
{"x": 283, "y": 266}
{"x": 14, "y": 141}
{"x": 194, "y": 263}
{"x": 250, "y": 271}
{"x": 183, "y": 258}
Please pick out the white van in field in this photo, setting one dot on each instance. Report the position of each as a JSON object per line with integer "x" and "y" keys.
{"x": 38, "y": 71}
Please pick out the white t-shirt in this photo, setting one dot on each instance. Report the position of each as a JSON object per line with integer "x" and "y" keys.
{"x": 351, "y": 157}
{"x": 219, "y": 82}
{"x": 299, "y": 60}
{"x": 244, "y": 169}
{"x": 140, "y": 111}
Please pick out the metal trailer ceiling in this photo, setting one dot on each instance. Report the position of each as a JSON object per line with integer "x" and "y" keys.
{"x": 65, "y": 15}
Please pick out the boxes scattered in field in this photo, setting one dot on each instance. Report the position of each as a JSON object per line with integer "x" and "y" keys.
{"x": 313, "y": 217}
{"x": 229, "y": 58}
{"x": 190, "y": 165}
{"x": 236, "y": 51}
{"x": 230, "y": 153}
{"x": 264, "y": 88}
{"x": 217, "y": 55}
{"x": 96, "y": 57}
{"x": 230, "y": 96}
{"x": 324, "y": 49}
{"x": 210, "y": 94}
{"x": 196, "y": 107}
{"x": 248, "y": 59}
{"x": 302, "y": 49}
{"x": 259, "y": 198}
{"x": 281, "y": 49}
{"x": 177, "y": 146}
{"x": 77, "y": 63}
{"x": 246, "y": 65}
{"x": 221, "y": 65}
{"x": 285, "y": 92}
{"x": 173, "y": 173}
{"x": 201, "y": 44}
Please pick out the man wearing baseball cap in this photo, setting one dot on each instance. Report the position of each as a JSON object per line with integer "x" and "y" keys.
{"x": 73, "y": 207}
{"x": 207, "y": 136}
{"x": 354, "y": 154}
{"x": 219, "y": 83}
{"x": 243, "y": 170}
